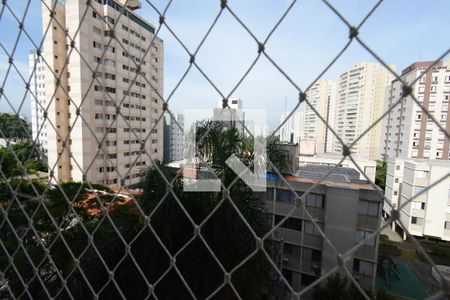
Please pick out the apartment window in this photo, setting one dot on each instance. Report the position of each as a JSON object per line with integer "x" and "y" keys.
{"x": 290, "y": 223}
{"x": 110, "y": 62}
{"x": 363, "y": 234}
{"x": 109, "y": 20}
{"x": 310, "y": 228}
{"x": 110, "y": 90}
{"x": 414, "y": 220}
{"x": 110, "y": 76}
{"x": 98, "y": 59}
{"x": 96, "y": 45}
{"x": 97, "y": 30}
{"x": 98, "y": 102}
{"x": 291, "y": 250}
{"x": 362, "y": 267}
{"x": 124, "y": 27}
{"x": 109, "y": 33}
{"x": 367, "y": 208}
{"x": 315, "y": 200}
{"x": 312, "y": 255}
{"x": 110, "y": 49}
{"x": 396, "y": 180}
{"x": 395, "y": 193}
{"x": 447, "y": 225}
{"x": 99, "y": 116}
{"x": 285, "y": 196}
{"x": 418, "y": 205}
{"x": 97, "y": 88}
{"x": 94, "y": 15}
{"x": 125, "y": 41}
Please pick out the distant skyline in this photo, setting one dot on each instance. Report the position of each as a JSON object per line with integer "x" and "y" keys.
{"x": 305, "y": 42}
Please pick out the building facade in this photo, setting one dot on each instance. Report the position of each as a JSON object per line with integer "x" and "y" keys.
{"x": 285, "y": 130}
{"x": 408, "y": 131}
{"x": 115, "y": 69}
{"x": 298, "y": 126}
{"x": 38, "y": 102}
{"x": 361, "y": 92}
{"x": 176, "y": 137}
{"x": 321, "y": 96}
{"x": 302, "y": 252}
{"x": 428, "y": 214}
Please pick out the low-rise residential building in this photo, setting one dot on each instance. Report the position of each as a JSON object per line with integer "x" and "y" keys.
{"x": 346, "y": 209}
{"x": 428, "y": 214}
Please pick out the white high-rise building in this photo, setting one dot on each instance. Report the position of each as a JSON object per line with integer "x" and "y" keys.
{"x": 321, "y": 96}
{"x": 176, "y": 137}
{"x": 38, "y": 101}
{"x": 408, "y": 131}
{"x": 286, "y": 129}
{"x": 92, "y": 142}
{"x": 233, "y": 113}
{"x": 361, "y": 92}
{"x": 298, "y": 126}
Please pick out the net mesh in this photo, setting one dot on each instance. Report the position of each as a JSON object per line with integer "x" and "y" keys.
{"x": 40, "y": 257}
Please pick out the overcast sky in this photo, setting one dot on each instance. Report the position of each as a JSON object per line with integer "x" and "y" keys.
{"x": 400, "y": 31}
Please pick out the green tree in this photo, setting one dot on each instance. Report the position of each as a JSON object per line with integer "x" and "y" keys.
{"x": 137, "y": 238}
{"x": 14, "y": 156}
{"x": 13, "y": 126}
{"x": 380, "y": 175}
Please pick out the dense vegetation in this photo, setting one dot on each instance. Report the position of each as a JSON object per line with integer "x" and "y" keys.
{"x": 133, "y": 241}
{"x": 380, "y": 175}
{"x": 20, "y": 159}
{"x": 12, "y": 126}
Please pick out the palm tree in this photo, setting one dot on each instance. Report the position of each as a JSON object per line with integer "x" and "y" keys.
{"x": 141, "y": 251}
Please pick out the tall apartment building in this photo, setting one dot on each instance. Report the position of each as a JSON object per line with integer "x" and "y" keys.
{"x": 285, "y": 130}
{"x": 38, "y": 101}
{"x": 176, "y": 137}
{"x": 360, "y": 97}
{"x": 428, "y": 215}
{"x": 321, "y": 96}
{"x": 408, "y": 132}
{"x": 346, "y": 209}
{"x": 111, "y": 71}
{"x": 299, "y": 117}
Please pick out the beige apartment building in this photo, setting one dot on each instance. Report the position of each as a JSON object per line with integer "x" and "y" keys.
{"x": 110, "y": 71}
{"x": 321, "y": 96}
{"x": 408, "y": 131}
{"x": 346, "y": 209}
{"x": 361, "y": 92}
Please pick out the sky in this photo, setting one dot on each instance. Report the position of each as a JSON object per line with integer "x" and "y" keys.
{"x": 399, "y": 31}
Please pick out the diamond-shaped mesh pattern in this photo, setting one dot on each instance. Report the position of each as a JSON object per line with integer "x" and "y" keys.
{"x": 43, "y": 256}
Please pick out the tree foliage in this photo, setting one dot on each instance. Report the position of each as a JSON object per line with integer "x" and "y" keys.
{"x": 381, "y": 171}
{"x": 20, "y": 159}
{"x": 121, "y": 246}
{"x": 13, "y": 126}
